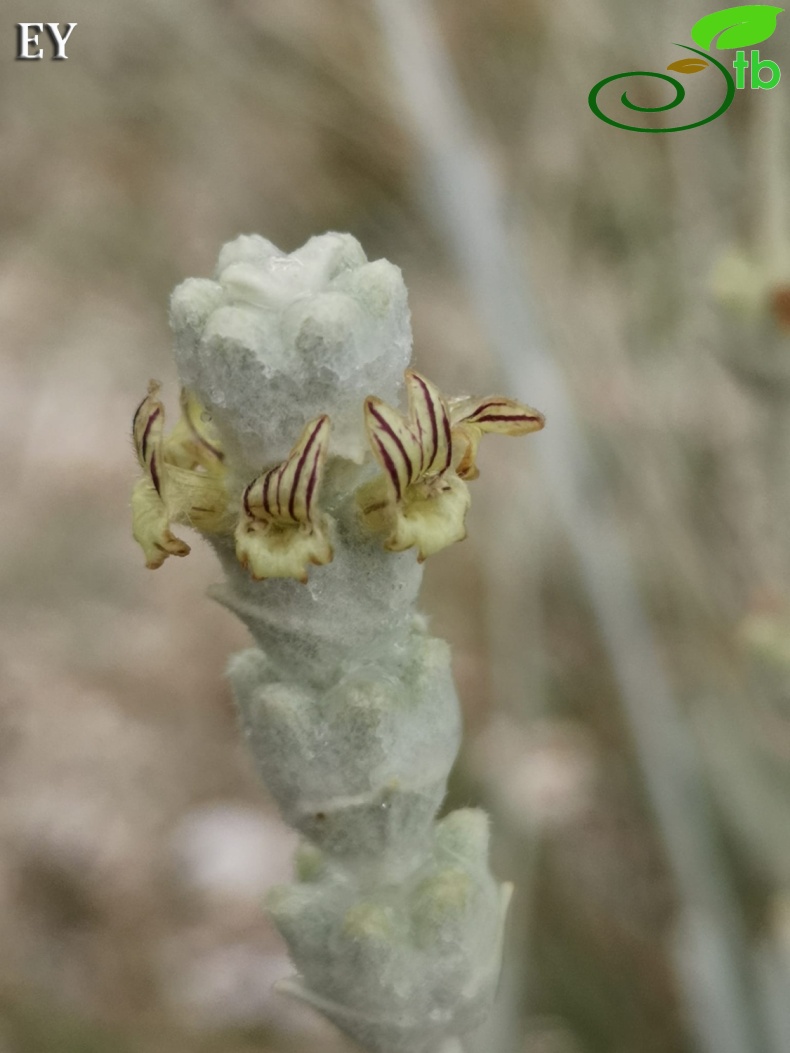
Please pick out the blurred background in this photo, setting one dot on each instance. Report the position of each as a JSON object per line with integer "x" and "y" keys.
{"x": 619, "y": 614}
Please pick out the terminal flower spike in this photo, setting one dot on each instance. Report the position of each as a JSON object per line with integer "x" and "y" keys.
{"x": 321, "y": 497}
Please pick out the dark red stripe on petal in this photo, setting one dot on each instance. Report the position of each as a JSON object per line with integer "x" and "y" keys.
{"x": 265, "y": 500}
{"x": 137, "y": 413}
{"x": 155, "y": 474}
{"x": 421, "y": 442}
{"x": 389, "y": 464}
{"x": 434, "y": 422}
{"x": 417, "y": 418}
{"x": 146, "y": 433}
{"x": 396, "y": 439}
{"x": 311, "y": 485}
{"x": 485, "y": 406}
{"x": 278, "y": 472}
{"x": 448, "y": 439}
{"x": 514, "y": 417}
{"x": 300, "y": 466}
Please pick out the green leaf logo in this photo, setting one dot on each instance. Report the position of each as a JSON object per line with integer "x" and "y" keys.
{"x": 688, "y": 65}
{"x": 736, "y": 27}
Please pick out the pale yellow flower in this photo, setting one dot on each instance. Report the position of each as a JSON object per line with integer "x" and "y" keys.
{"x": 281, "y": 530}
{"x": 276, "y": 524}
{"x": 421, "y": 499}
{"x": 183, "y": 478}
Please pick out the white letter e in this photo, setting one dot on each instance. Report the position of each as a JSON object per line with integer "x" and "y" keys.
{"x": 25, "y": 40}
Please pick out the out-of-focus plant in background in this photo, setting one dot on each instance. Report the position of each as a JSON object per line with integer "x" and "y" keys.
{"x": 135, "y": 843}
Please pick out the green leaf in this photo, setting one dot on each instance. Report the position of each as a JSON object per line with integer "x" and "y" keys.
{"x": 736, "y": 27}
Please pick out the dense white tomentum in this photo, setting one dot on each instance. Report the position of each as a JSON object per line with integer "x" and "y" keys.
{"x": 291, "y": 458}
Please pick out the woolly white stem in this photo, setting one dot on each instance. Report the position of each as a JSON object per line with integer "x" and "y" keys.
{"x": 395, "y": 924}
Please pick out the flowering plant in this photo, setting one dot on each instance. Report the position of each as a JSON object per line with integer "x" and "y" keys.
{"x": 292, "y": 460}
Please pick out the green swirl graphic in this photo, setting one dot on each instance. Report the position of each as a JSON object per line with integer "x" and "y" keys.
{"x": 680, "y": 94}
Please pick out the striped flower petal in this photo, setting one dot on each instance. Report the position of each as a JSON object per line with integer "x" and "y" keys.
{"x": 281, "y": 530}
{"x": 170, "y": 490}
{"x": 413, "y": 449}
{"x": 430, "y": 420}
{"x": 471, "y": 418}
{"x": 150, "y": 517}
{"x": 394, "y": 444}
{"x": 419, "y": 501}
{"x": 147, "y": 430}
